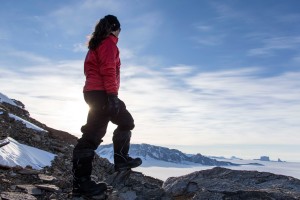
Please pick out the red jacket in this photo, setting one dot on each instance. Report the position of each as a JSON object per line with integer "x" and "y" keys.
{"x": 102, "y": 67}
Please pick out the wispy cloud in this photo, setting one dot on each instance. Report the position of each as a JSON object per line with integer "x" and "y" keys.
{"x": 203, "y": 28}
{"x": 289, "y": 18}
{"x": 82, "y": 14}
{"x": 235, "y": 106}
{"x": 17, "y": 59}
{"x": 140, "y": 30}
{"x": 209, "y": 40}
{"x": 221, "y": 107}
{"x": 227, "y": 11}
{"x": 28, "y": 56}
{"x": 207, "y": 35}
{"x": 79, "y": 47}
{"x": 270, "y": 45}
{"x": 179, "y": 70}
{"x": 51, "y": 91}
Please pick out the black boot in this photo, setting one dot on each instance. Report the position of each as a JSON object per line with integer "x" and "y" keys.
{"x": 123, "y": 161}
{"x": 82, "y": 170}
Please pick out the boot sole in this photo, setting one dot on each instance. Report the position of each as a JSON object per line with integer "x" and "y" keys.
{"x": 128, "y": 167}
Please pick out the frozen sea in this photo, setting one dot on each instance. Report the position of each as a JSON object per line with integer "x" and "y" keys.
{"x": 163, "y": 170}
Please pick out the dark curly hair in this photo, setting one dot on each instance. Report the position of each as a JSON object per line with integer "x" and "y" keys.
{"x": 103, "y": 28}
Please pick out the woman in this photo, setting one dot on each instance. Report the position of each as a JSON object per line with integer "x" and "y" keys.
{"x": 102, "y": 71}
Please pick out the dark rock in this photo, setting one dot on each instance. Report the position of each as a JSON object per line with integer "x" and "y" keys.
{"x": 30, "y": 189}
{"x": 46, "y": 178}
{"x": 48, "y": 187}
{"x": 4, "y": 142}
{"x": 28, "y": 171}
{"x": 4, "y": 167}
{"x": 16, "y": 196}
{"x": 264, "y": 158}
{"x": 221, "y": 183}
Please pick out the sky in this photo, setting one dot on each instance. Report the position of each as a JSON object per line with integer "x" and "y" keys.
{"x": 216, "y": 77}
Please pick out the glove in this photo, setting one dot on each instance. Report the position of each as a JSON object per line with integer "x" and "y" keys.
{"x": 113, "y": 105}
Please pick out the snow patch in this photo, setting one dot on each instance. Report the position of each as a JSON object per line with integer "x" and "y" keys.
{"x": 28, "y": 124}
{"x": 15, "y": 153}
{"x": 4, "y": 98}
{"x": 4, "y": 142}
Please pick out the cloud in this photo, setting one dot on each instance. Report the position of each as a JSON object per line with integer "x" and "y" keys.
{"x": 204, "y": 28}
{"x": 51, "y": 91}
{"x": 209, "y": 40}
{"x": 229, "y": 107}
{"x": 208, "y": 108}
{"x": 127, "y": 54}
{"x": 80, "y": 14}
{"x": 79, "y": 47}
{"x": 207, "y": 35}
{"x": 289, "y": 18}
{"x": 229, "y": 12}
{"x": 179, "y": 70}
{"x": 80, "y": 18}
{"x": 28, "y": 56}
{"x": 18, "y": 59}
{"x": 140, "y": 30}
{"x": 272, "y": 44}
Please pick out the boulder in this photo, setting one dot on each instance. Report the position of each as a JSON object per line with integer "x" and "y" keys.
{"x": 221, "y": 183}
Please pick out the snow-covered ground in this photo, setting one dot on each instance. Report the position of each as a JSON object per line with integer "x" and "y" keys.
{"x": 16, "y": 153}
{"x": 28, "y": 124}
{"x": 4, "y": 98}
{"x": 163, "y": 172}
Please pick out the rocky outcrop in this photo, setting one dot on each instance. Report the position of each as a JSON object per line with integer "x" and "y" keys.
{"x": 215, "y": 184}
{"x": 51, "y": 140}
{"x": 55, "y": 182}
{"x": 220, "y": 183}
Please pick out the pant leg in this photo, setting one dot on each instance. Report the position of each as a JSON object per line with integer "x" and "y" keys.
{"x": 122, "y": 134}
{"x": 124, "y": 119}
{"x": 97, "y": 121}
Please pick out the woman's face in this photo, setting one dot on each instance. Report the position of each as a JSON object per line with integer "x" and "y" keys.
{"x": 117, "y": 32}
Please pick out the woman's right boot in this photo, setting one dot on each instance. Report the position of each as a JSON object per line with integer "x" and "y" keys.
{"x": 82, "y": 170}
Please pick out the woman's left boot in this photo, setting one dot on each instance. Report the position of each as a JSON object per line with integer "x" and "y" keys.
{"x": 121, "y": 143}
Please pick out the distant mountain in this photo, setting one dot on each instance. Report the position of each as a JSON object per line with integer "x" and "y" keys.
{"x": 151, "y": 153}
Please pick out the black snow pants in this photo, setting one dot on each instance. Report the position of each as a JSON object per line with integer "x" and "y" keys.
{"x": 98, "y": 119}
